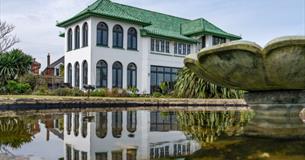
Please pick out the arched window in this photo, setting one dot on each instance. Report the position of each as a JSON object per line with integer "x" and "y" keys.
{"x": 132, "y": 39}
{"x": 76, "y": 75}
{"x": 117, "y": 124}
{"x": 84, "y": 125}
{"x": 131, "y": 121}
{"x": 101, "y": 74}
{"x": 85, "y": 72}
{"x": 76, "y": 124}
{"x": 102, "y": 34}
{"x": 77, "y": 38}
{"x": 117, "y": 75}
{"x": 69, "y": 123}
{"x": 117, "y": 36}
{"x": 69, "y": 40}
{"x": 101, "y": 124}
{"x": 70, "y": 74}
{"x": 85, "y": 34}
{"x": 131, "y": 75}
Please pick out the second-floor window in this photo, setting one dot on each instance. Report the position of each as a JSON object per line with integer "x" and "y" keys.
{"x": 182, "y": 48}
{"x": 102, "y": 34}
{"x": 132, "y": 39}
{"x": 77, "y": 38}
{"x": 69, "y": 40}
{"x": 85, "y": 35}
{"x": 160, "y": 45}
{"x": 218, "y": 40}
{"x": 117, "y": 36}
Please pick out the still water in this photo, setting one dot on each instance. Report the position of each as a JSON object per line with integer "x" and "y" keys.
{"x": 130, "y": 134}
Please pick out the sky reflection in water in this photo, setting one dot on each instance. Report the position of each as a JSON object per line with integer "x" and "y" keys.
{"x": 143, "y": 134}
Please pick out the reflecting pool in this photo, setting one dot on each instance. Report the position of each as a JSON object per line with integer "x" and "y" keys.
{"x": 155, "y": 133}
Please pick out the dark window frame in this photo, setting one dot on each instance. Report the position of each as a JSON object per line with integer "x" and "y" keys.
{"x": 102, "y": 34}
{"x": 69, "y": 40}
{"x": 85, "y": 34}
{"x": 76, "y": 75}
{"x": 132, "y": 40}
{"x": 130, "y": 77}
{"x": 102, "y": 65}
{"x": 117, "y": 78}
{"x": 117, "y": 36}
{"x": 85, "y": 72}
{"x": 77, "y": 37}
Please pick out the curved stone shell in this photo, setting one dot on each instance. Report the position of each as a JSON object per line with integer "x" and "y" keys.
{"x": 245, "y": 65}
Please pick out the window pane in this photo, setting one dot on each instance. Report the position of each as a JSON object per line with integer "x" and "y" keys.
{"x": 152, "y": 44}
{"x": 162, "y": 45}
{"x": 167, "y": 47}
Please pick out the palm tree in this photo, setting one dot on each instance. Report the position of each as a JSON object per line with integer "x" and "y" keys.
{"x": 13, "y": 64}
{"x": 188, "y": 85}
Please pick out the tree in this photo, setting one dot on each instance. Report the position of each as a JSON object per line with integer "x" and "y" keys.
{"x": 7, "y": 40}
{"x": 14, "y": 64}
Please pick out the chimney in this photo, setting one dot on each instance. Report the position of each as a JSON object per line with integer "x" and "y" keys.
{"x": 48, "y": 60}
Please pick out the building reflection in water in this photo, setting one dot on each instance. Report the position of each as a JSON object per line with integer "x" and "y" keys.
{"x": 125, "y": 135}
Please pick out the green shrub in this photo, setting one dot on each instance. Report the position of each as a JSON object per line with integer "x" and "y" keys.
{"x": 156, "y": 94}
{"x": 102, "y": 92}
{"x": 30, "y": 79}
{"x": 164, "y": 86}
{"x": 133, "y": 91}
{"x": 67, "y": 92}
{"x": 41, "y": 90}
{"x": 13, "y": 87}
{"x": 117, "y": 92}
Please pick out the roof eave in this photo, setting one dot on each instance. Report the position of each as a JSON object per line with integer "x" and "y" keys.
{"x": 144, "y": 33}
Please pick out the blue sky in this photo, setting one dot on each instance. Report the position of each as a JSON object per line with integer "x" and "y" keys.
{"x": 255, "y": 20}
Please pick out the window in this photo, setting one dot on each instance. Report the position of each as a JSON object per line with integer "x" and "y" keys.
{"x": 160, "y": 45}
{"x": 161, "y": 74}
{"x": 77, "y": 38}
{"x": 152, "y": 44}
{"x": 101, "y": 124}
{"x": 132, "y": 39}
{"x": 117, "y": 124}
{"x": 117, "y": 75}
{"x": 84, "y": 155}
{"x": 85, "y": 34}
{"x": 76, "y": 124}
{"x": 167, "y": 47}
{"x": 84, "y": 125}
{"x": 76, "y": 75}
{"x": 131, "y": 75}
{"x": 188, "y": 49}
{"x": 69, "y": 123}
{"x": 102, "y": 34}
{"x": 69, "y": 40}
{"x": 182, "y": 48}
{"x": 203, "y": 41}
{"x": 57, "y": 71}
{"x": 76, "y": 154}
{"x": 218, "y": 40}
{"x": 85, "y": 73}
{"x": 101, "y": 156}
{"x": 68, "y": 152}
{"x": 101, "y": 74}
{"x": 131, "y": 154}
{"x": 117, "y": 36}
{"x": 131, "y": 121}
{"x": 163, "y": 123}
{"x": 117, "y": 155}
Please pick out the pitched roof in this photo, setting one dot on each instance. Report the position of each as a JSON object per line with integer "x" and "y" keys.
{"x": 154, "y": 23}
{"x": 202, "y": 26}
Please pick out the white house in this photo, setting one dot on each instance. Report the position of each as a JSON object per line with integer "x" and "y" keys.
{"x": 125, "y": 135}
{"x": 113, "y": 45}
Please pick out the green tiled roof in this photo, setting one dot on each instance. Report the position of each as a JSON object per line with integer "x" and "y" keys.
{"x": 202, "y": 26}
{"x": 154, "y": 23}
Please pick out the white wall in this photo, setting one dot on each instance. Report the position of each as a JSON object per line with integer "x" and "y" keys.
{"x": 143, "y": 57}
